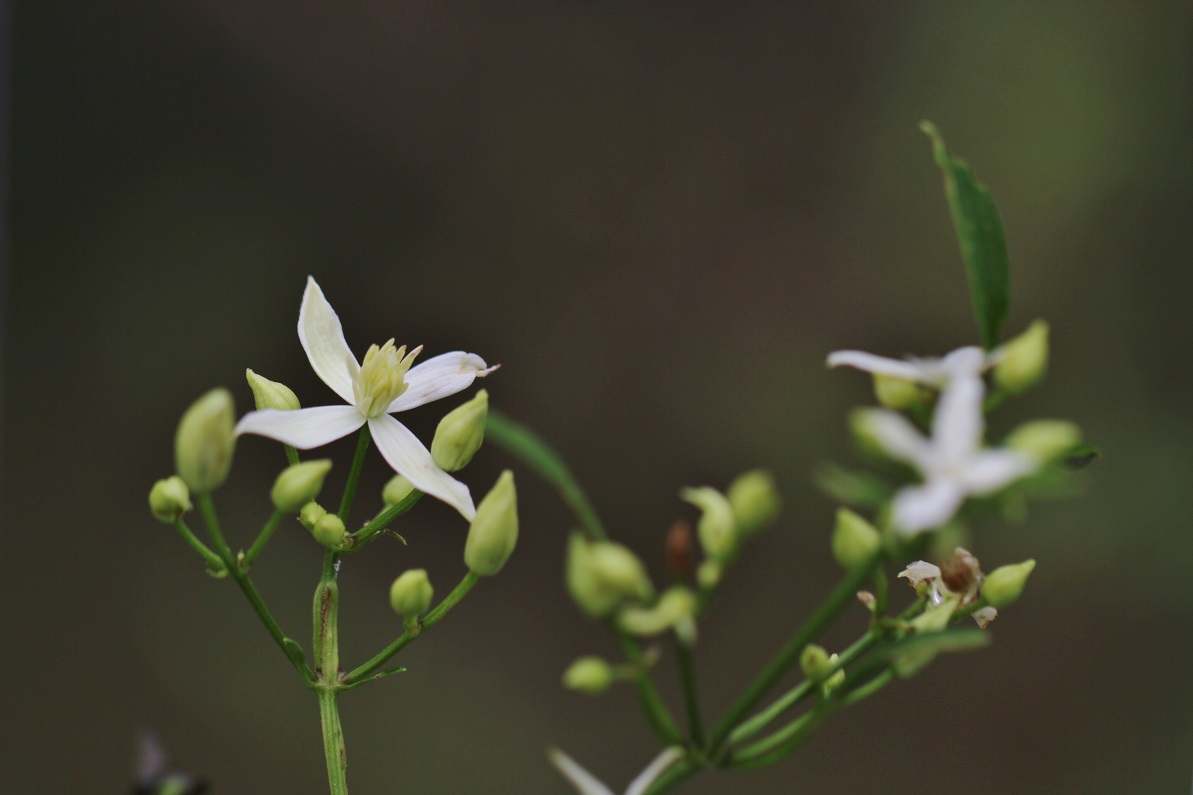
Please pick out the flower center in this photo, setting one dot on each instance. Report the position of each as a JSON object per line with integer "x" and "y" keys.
{"x": 382, "y": 377}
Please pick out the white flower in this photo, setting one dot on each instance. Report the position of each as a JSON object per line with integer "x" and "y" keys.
{"x": 966, "y": 569}
{"x": 588, "y": 784}
{"x": 952, "y": 462}
{"x": 383, "y": 384}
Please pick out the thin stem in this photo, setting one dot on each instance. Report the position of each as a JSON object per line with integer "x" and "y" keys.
{"x": 262, "y": 539}
{"x": 291, "y": 455}
{"x": 656, "y": 712}
{"x": 691, "y": 696}
{"x": 677, "y": 773}
{"x": 207, "y": 511}
{"x": 334, "y": 750}
{"x": 426, "y": 622}
{"x": 214, "y": 562}
{"x": 525, "y": 445}
{"x": 842, "y": 595}
{"x": 367, "y": 533}
{"x": 358, "y": 462}
{"x": 327, "y": 683}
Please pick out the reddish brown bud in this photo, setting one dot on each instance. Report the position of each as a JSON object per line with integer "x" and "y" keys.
{"x": 960, "y": 572}
{"x": 678, "y": 550}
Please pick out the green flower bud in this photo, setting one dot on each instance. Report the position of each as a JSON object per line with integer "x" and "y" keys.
{"x": 169, "y": 499}
{"x": 460, "y": 433}
{"x": 298, "y": 485}
{"x": 494, "y": 531}
{"x": 814, "y": 662}
{"x": 717, "y": 528}
{"x": 397, "y": 489}
{"x": 837, "y": 679}
{"x": 590, "y": 675}
{"x": 896, "y": 393}
{"x": 708, "y": 575}
{"x": 1005, "y": 584}
{"x": 310, "y": 515}
{"x": 861, "y": 423}
{"x": 270, "y": 394}
{"x": 854, "y": 539}
{"x": 205, "y": 441}
{"x": 1047, "y": 439}
{"x": 1024, "y": 359}
{"x": 675, "y": 605}
{"x": 329, "y": 531}
{"x": 755, "y": 501}
{"x": 601, "y": 575}
{"x": 410, "y": 595}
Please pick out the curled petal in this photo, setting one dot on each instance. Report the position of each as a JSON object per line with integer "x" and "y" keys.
{"x": 920, "y": 508}
{"x": 302, "y": 428}
{"x": 911, "y": 371}
{"x": 984, "y": 616}
{"x": 992, "y": 470}
{"x": 322, "y": 338}
{"x": 438, "y": 377}
{"x": 919, "y": 571}
{"x": 406, "y": 454}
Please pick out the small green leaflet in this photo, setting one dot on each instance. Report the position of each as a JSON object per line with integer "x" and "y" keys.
{"x": 979, "y": 233}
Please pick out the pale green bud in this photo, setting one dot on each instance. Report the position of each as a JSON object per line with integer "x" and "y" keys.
{"x": 460, "y": 433}
{"x": 709, "y": 573}
{"x": 1005, "y": 584}
{"x": 755, "y": 501}
{"x": 270, "y": 394}
{"x": 494, "y": 531}
{"x": 590, "y": 675}
{"x": 298, "y": 485}
{"x": 601, "y": 575}
{"x": 814, "y": 662}
{"x": 675, "y": 605}
{"x": 397, "y": 489}
{"x": 205, "y": 441}
{"x": 1024, "y": 359}
{"x": 329, "y": 531}
{"x": 896, "y": 393}
{"x": 169, "y": 499}
{"x": 310, "y": 515}
{"x": 837, "y": 679}
{"x": 717, "y": 529}
{"x": 854, "y": 539}
{"x": 1046, "y": 439}
{"x": 410, "y": 595}
{"x": 861, "y": 423}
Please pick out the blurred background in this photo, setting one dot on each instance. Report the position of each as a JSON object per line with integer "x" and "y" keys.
{"x": 659, "y": 218}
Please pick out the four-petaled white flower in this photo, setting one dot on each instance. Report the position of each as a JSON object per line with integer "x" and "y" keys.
{"x": 384, "y": 383}
{"x": 588, "y": 784}
{"x": 952, "y": 461}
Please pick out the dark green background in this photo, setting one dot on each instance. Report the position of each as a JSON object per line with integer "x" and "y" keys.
{"x": 659, "y": 218}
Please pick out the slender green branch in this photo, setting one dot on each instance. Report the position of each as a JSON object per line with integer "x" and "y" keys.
{"x": 207, "y": 511}
{"x": 771, "y": 749}
{"x": 334, "y": 750}
{"x": 214, "y": 562}
{"x": 426, "y": 622}
{"x": 656, "y": 712}
{"x": 367, "y": 533}
{"x": 358, "y": 462}
{"x": 677, "y": 773}
{"x": 291, "y": 455}
{"x": 842, "y": 595}
{"x": 523, "y": 444}
{"x": 691, "y": 696}
{"x": 262, "y": 539}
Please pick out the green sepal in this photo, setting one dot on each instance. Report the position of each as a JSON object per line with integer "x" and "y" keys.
{"x": 980, "y": 236}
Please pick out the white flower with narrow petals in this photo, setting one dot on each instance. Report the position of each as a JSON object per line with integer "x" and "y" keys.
{"x": 588, "y": 784}
{"x": 383, "y": 384}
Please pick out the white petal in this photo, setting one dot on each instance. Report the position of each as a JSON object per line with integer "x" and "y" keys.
{"x": 438, "y": 377}
{"x": 897, "y": 437}
{"x": 964, "y": 362}
{"x": 655, "y": 769}
{"x": 984, "y": 616}
{"x": 919, "y": 571}
{"x": 987, "y": 472}
{"x": 322, "y": 338}
{"x": 958, "y": 423}
{"x": 584, "y": 782}
{"x": 920, "y": 508}
{"x": 303, "y": 428}
{"x": 406, "y": 454}
{"x": 912, "y": 371}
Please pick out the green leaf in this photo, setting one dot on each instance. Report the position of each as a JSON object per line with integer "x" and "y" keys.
{"x": 979, "y": 233}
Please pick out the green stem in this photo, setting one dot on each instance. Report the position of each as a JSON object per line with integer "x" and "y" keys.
{"x": 656, "y": 712}
{"x": 333, "y": 743}
{"x": 426, "y": 622}
{"x": 327, "y": 683}
{"x": 691, "y": 696}
{"x": 358, "y": 462}
{"x": 291, "y": 455}
{"x": 367, "y": 533}
{"x": 677, "y": 773}
{"x": 841, "y": 596}
{"x": 207, "y": 511}
{"x": 262, "y": 539}
{"x": 523, "y": 444}
{"x": 214, "y": 562}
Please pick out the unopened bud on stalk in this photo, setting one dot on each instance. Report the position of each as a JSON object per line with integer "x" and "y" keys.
{"x": 270, "y": 394}
{"x": 329, "y": 531}
{"x": 310, "y": 514}
{"x": 298, "y": 485}
{"x": 460, "y": 433}
{"x": 1024, "y": 359}
{"x": 494, "y": 531}
{"x": 169, "y": 499}
{"x": 601, "y": 575}
{"x": 1005, "y": 584}
{"x": 717, "y": 528}
{"x": 397, "y": 489}
{"x": 1046, "y": 439}
{"x": 896, "y": 393}
{"x": 411, "y": 593}
{"x": 675, "y": 605}
{"x": 755, "y": 501}
{"x": 814, "y": 662}
{"x": 590, "y": 675}
{"x": 854, "y": 539}
{"x": 205, "y": 441}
